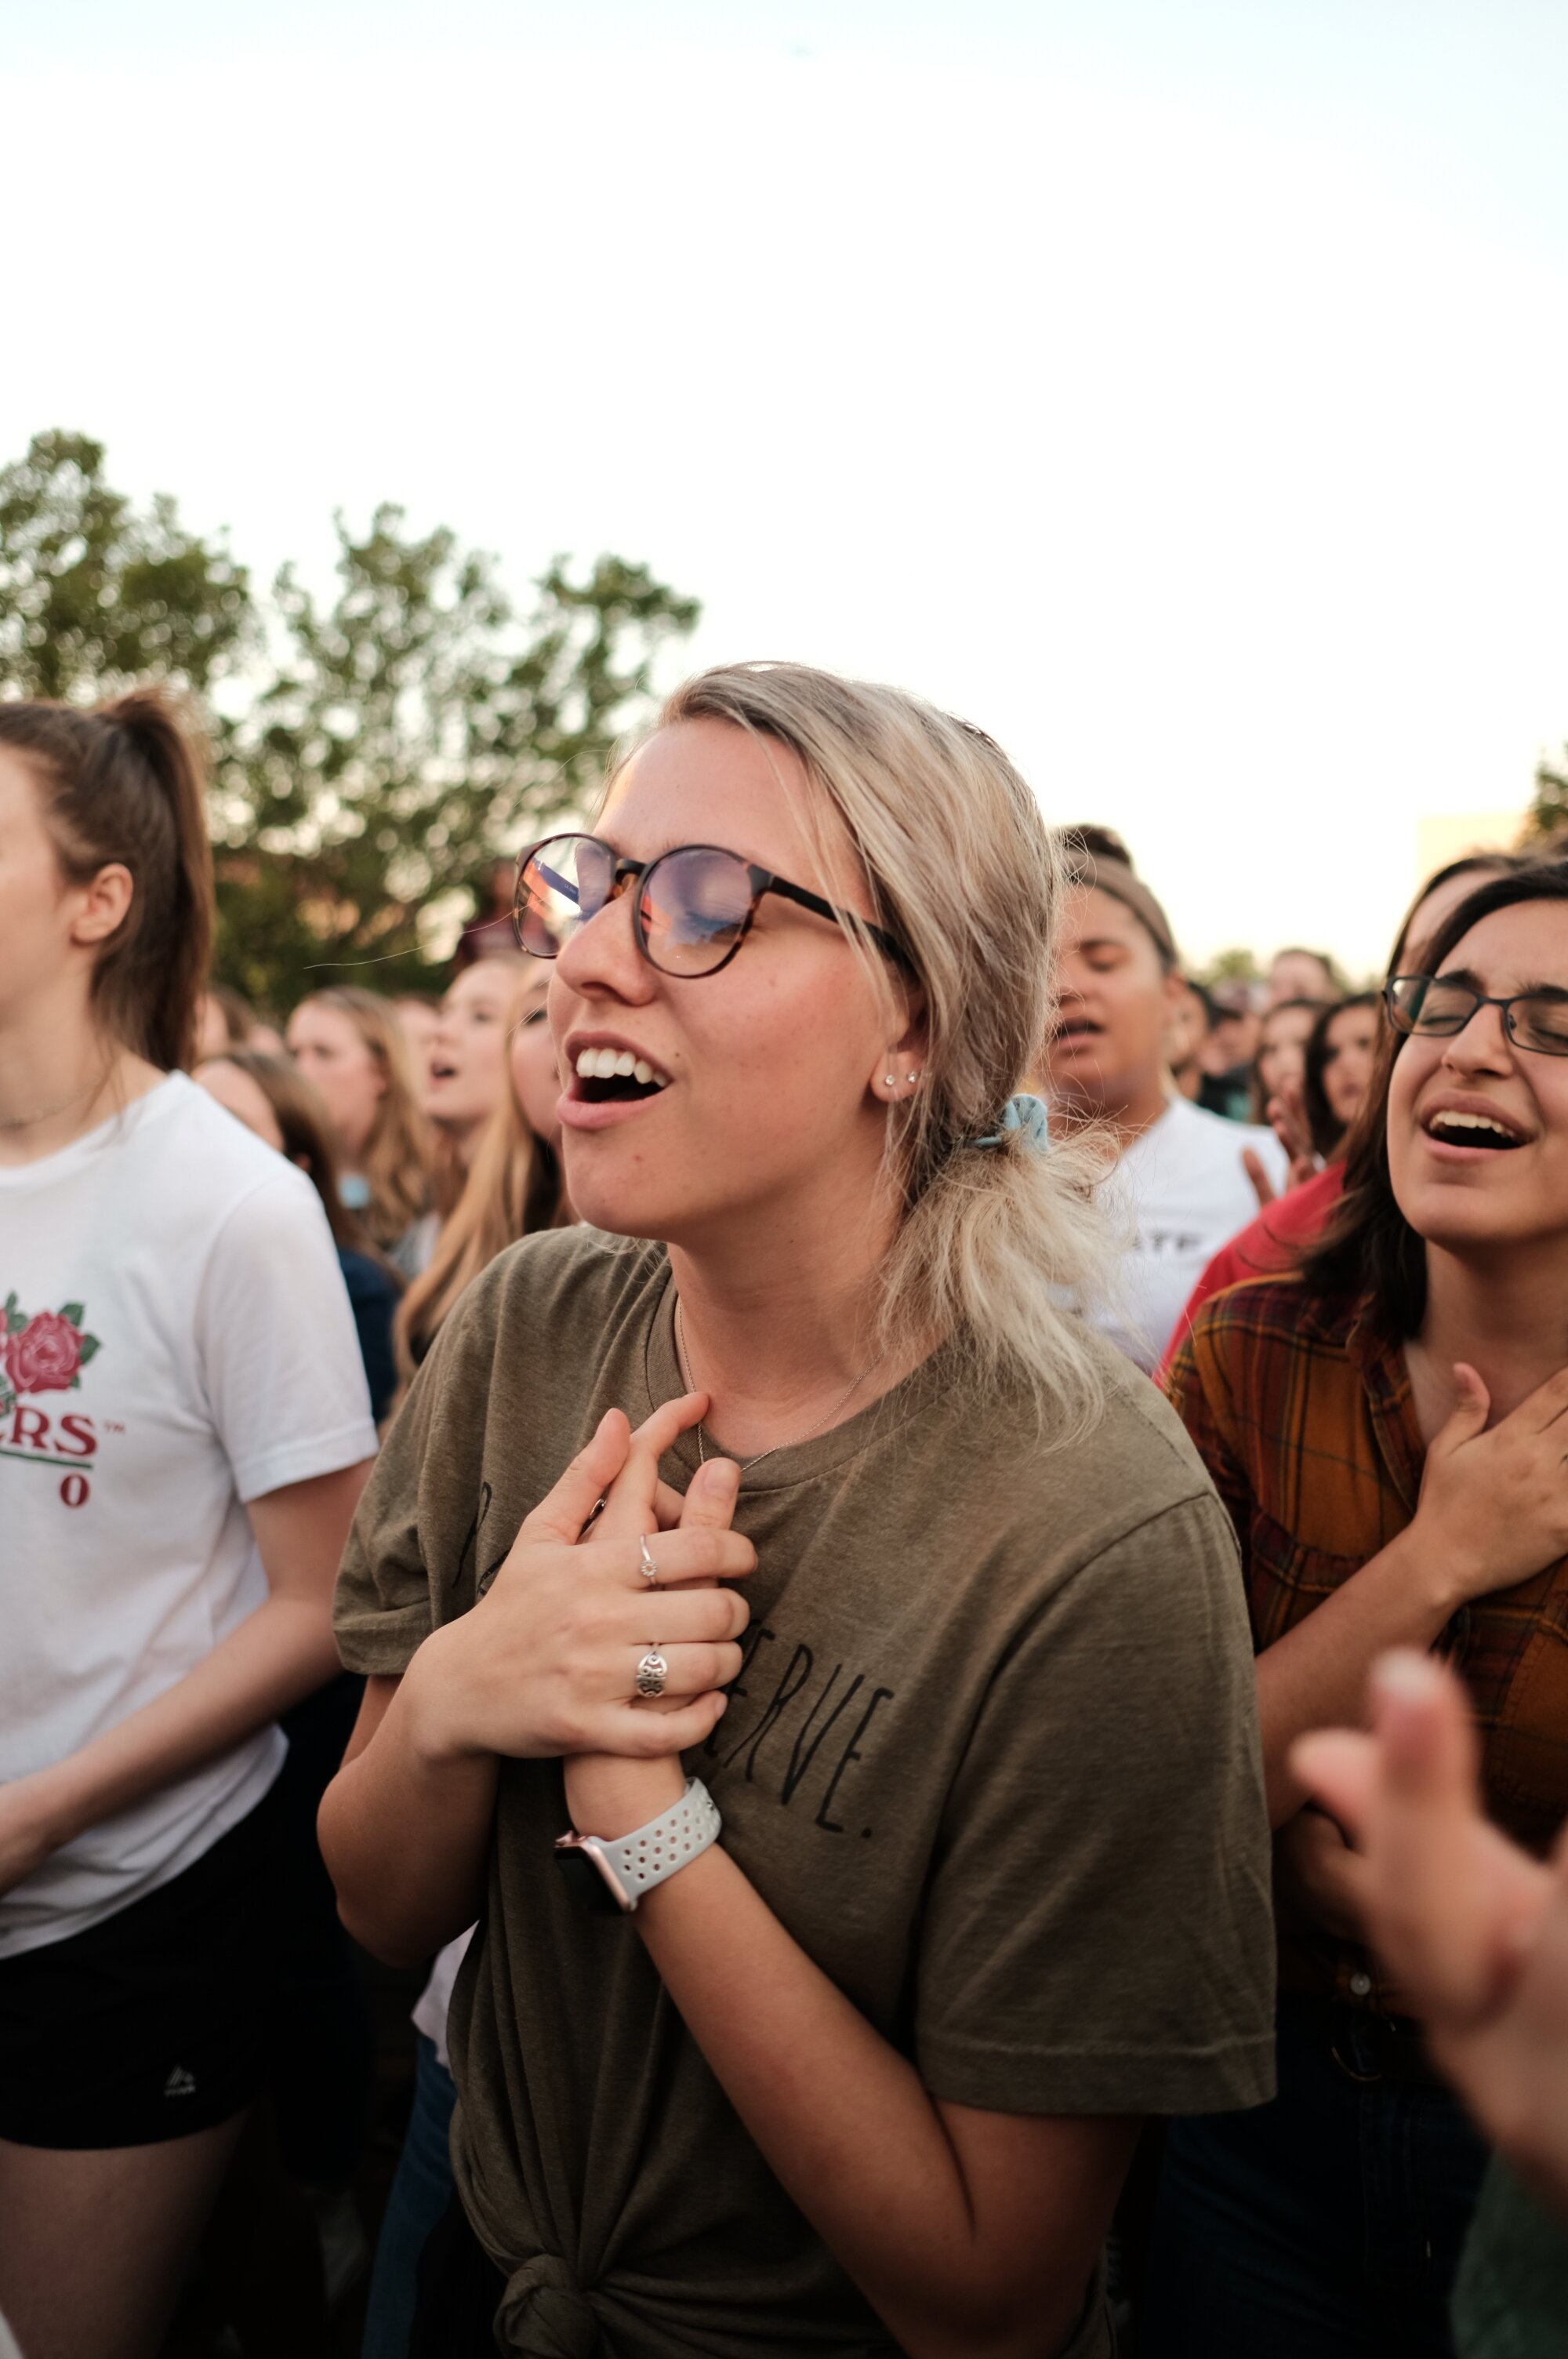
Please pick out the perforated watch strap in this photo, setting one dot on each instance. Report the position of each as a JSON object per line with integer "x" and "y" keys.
{"x": 674, "y": 1839}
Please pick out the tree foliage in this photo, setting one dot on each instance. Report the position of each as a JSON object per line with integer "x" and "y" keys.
{"x": 375, "y": 755}
{"x": 93, "y": 595}
{"x": 1548, "y": 820}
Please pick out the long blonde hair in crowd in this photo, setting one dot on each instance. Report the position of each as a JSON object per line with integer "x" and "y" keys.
{"x": 397, "y": 1158}
{"x": 513, "y": 1187}
{"x": 993, "y": 1242}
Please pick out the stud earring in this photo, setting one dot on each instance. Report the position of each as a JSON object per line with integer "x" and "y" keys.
{"x": 914, "y": 1077}
{"x": 889, "y": 1080}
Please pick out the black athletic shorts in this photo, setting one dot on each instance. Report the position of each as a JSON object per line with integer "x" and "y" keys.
{"x": 154, "y": 2022}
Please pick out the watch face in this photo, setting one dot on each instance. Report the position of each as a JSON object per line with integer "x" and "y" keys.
{"x": 589, "y": 1883}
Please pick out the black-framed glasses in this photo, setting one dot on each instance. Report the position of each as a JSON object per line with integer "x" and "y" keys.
{"x": 691, "y": 909}
{"x": 1436, "y": 1006}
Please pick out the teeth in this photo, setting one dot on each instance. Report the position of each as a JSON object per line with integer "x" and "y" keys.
{"x": 611, "y": 1064}
{"x": 1451, "y": 1121}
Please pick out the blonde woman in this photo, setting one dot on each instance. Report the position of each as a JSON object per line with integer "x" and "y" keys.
{"x": 348, "y": 1041}
{"x": 513, "y": 1186}
{"x": 933, "y": 1856}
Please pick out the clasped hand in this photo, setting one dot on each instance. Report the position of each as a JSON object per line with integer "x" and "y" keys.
{"x": 546, "y": 1663}
{"x": 1494, "y": 1503}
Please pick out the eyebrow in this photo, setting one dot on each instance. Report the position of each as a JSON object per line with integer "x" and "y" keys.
{"x": 1473, "y": 982}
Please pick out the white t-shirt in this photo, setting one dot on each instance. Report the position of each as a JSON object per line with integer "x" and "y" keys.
{"x": 175, "y": 1338}
{"x": 1183, "y": 1191}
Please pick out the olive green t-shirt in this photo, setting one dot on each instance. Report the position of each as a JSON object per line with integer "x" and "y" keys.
{"x": 992, "y": 1760}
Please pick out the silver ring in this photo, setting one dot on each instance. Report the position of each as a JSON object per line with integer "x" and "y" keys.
{"x": 652, "y": 1673}
{"x": 650, "y": 1570}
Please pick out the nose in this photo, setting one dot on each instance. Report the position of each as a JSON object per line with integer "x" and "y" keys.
{"x": 601, "y": 959}
{"x": 1483, "y": 1046}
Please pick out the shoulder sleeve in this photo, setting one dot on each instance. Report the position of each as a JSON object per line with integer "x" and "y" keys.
{"x": 409, "y": 1560}
{"x": 1198, "y": 1386}
{"x": 275, "y": 1342}
{"x": 1097, "y": 1934}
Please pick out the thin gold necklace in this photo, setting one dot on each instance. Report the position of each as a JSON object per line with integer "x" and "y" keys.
{"x": 683, "y": 1364}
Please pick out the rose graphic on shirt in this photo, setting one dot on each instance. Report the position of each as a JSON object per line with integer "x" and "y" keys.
{"x": 42, "y": 1350}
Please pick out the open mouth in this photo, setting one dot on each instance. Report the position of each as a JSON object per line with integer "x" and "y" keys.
{"x": 616, "y": 1077}
{"x": 1069, "y": 1036}
{"x": 440, "y": 1072}
{"x": 1452, "y": 1130}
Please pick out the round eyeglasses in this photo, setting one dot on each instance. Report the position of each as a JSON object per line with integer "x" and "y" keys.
{"x": 1436, "y": 1006}
{"x": 691, "y": 909}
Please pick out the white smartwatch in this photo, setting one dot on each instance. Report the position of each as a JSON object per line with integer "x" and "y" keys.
{"x": 612, "y": 1877}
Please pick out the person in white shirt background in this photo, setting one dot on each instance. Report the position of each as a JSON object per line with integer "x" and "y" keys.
{"x": 1181, "y": 1180}
{"x": 176, "y": 1478}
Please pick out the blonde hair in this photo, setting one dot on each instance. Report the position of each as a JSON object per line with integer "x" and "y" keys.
{"x": 513, "y": 1187}
{"x": 396, "y": 1161}
{"x": 991, "y": 1241}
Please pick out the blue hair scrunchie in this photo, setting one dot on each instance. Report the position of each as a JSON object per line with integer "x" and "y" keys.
{"x": 1024, "y": 1115}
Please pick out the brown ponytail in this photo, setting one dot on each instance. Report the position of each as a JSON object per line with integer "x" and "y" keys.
{"x": 126, "y": 782}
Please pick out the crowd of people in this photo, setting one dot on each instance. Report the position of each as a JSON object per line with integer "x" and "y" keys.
{"x": 919, "y": 1565}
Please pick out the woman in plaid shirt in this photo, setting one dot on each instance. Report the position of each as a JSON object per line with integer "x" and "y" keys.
{"x": 1388, "y": 1428}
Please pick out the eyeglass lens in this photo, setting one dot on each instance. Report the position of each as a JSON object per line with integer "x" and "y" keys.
{"x": 1423, "y": 1004}
{"x": 692, "y": 908}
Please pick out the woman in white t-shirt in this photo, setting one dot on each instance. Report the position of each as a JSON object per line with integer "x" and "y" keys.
{"x": 1185, "y": 1179}
{"x": 183, "y": 1432}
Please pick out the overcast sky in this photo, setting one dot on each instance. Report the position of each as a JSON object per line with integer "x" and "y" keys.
{"x": 1175, "y": 389}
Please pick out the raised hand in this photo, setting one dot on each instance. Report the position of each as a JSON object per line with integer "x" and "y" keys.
{"x": 1473, "y": 1929}
{"x": 547, "y": 1662}
{"x": 1493, "y": 1506}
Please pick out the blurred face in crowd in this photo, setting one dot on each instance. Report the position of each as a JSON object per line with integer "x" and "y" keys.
{"x": 328, "y": 1049}
{"x": 1187, "y": 1040}
{"x": 1478, "y": 1127}
{"x": 1281, "y": 1052}
{"x": 1233, "y": 1043}
{"x": 1351, "y": 1045}
{"x": 534, "y": 1078}
{"x": 245, "y": 1098}
{"x": 212, "y": 1029}
{"x": 760, "y": 1095}
{"x": 468, "y": 1055}
{"x": 1300, "y": 974}
{"x": 419, "y": 1022}
{"x": 1115, "y": 1007}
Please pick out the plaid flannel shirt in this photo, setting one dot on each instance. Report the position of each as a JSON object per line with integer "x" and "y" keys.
{"x": 1301, "y": 1413}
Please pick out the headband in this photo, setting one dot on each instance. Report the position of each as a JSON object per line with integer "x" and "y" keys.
{"x": 1115, "y": 877}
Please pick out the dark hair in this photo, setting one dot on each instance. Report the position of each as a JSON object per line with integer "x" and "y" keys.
{"x": 1369, "y": 1244}
{"x": 1327, "y": 1130}
{"x": 1478, "y": 864}
{"x": 126, "y": 782}
{"x": 307, "y": 1129}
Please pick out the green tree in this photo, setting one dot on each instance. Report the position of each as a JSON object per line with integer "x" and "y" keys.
{"x": 1549, "y": 808}
{"x": 415, "y": 734}
{"x": 94, "y": 594}
{"x": 374, "y": 757}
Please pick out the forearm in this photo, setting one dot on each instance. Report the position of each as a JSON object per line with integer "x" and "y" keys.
{"x": 278, "y": 1654}
{"x": 1315, "y": 1676}
{"x": 406, "y": 1833}
{"x": 851, "y": 2132}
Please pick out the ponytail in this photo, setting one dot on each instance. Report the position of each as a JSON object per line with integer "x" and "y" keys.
{"x": 126, "y": 782}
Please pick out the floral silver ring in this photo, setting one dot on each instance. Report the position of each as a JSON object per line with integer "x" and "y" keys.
{"x": 650, "y": 1571}
{"x": 652, "y": 1673}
